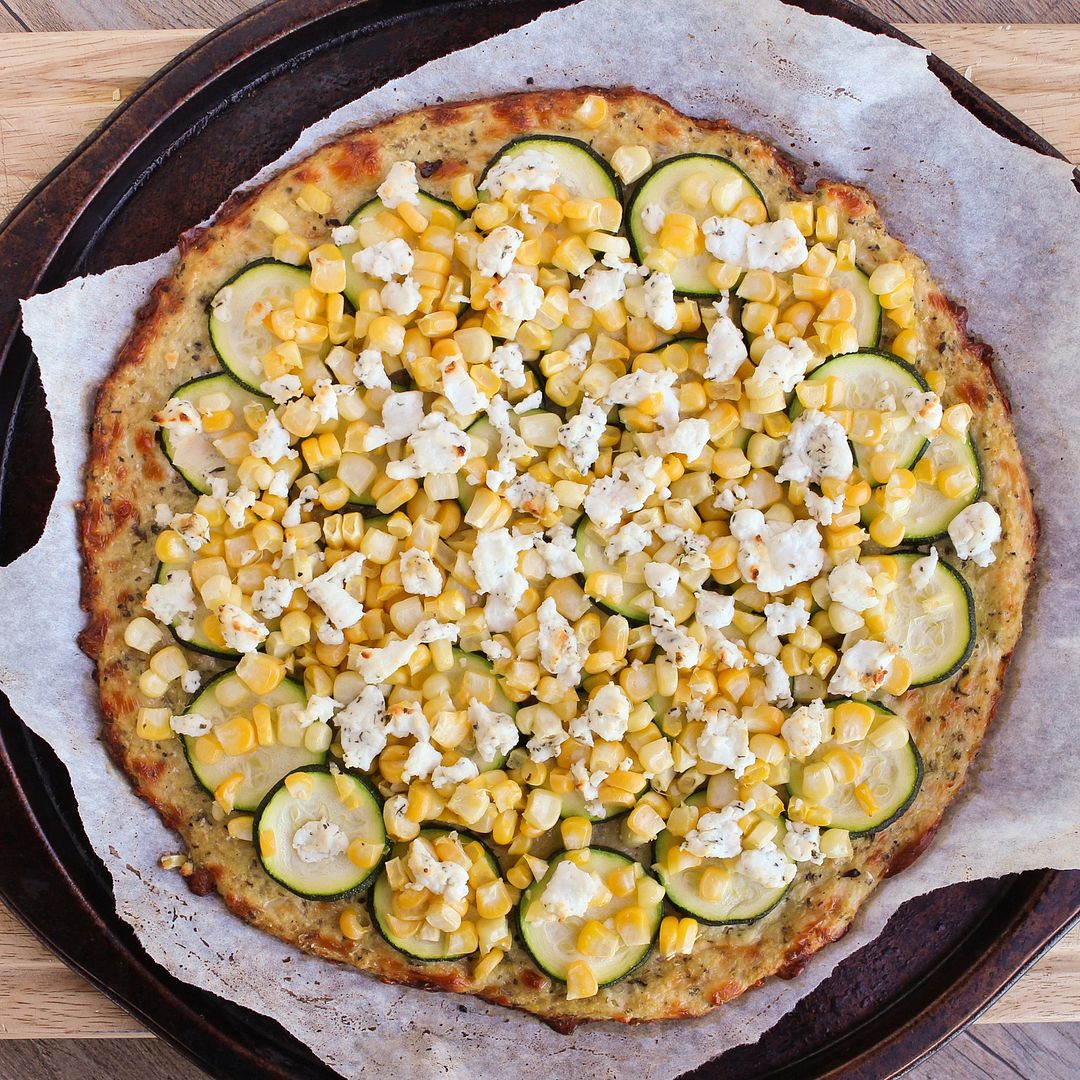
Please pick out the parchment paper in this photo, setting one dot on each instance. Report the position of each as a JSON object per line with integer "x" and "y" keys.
{"x": 997, "y": 225}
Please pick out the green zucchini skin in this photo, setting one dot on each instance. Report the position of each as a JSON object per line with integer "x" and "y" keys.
{"x": 197, "y": 644}
{"x": 533, "y": 893}
{"x": 430, "y": 833}
{"x": 369, "y": 875}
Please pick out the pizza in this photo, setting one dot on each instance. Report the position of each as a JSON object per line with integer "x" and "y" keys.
{"x": 535, "y": 549}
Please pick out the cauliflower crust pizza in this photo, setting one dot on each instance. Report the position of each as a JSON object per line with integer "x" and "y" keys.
{"x": 535, "y": 549}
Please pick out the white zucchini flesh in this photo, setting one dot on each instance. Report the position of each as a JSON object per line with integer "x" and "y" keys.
{"x": 867, "y": 319}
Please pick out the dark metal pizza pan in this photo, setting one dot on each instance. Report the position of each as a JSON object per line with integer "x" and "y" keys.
{"x": 166, "y": 159}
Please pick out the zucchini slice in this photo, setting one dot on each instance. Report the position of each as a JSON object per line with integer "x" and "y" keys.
{"x": 867, "y": 319}
{"x": 382, "y": 896}
{"x": 935, "y": 629}
{"x": 302, "y": 837}
{"x": 194, "y": 457}
{"x": 893, "y": 776}
{"x": 240, "y": 347}
{"x": 868, "y": 376}
{"x": 636, "y": 598}
{"x": 264, "y": 766}
{"x": 466, "y": 663}
{"x": 744, "y": 901}
{"x": 660, "y": 186}
{"x": 582, "y": 171}
{"x": 930, "y": 513}
{"x": 573, "y": 805}
{"x": 552, "y": 942}
{"x": 356, "y": 282}
{"x": 198, "y": 640}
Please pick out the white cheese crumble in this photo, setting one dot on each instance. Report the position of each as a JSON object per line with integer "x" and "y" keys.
{"x": 273, "y": 597}
{"x": 191, "y": 724}
{"x": 681, "y": 648}
{"x": 806, "y": 729}
{"x": 725, "y": 347}
{"x": 370, "y": 370}
{"x": 495, "y": 254}
{"x": 494, "y": 563}
{"x": 422, "y": 761}
{"x": 179, "y": 417}
{"x": 400, "y": 186}
{"x": 190, "y": 681}
{"x": 815, "y": 447}
{"x": 774, "y": 555}
{"x": 662, "y": 579}
{"x": 660, "y": 301}
{"x": 802, "y": 843}
{"x": 559, "y": 553}
{"x": 716, "y": 834}
{"x": 974, "y": 531}
{"x": 272, "y": 441}
{"x": 508, "y": 363}
{"x": 330, "y": 591}
{"x": 458, "y": 388}
{"x": 561, "y": 653}
{"x": 607, "y": 715}
{"x": 385, "y": 260}
{"x": 922, "y": 571}
{"x": 448, "y": 879}
{"x": 237, "y": 504}
{"x": 512, "y": 447}
{"x": 401, "y": 297}
{"x": 174, "y": 597}
{"x": 243, "y": 633}
{"x": 324, "y": 401}
{"x": 635, "y": 387}
{"x": 782, "y": 620}
{"x": 823, "y": 509}
{"x": 628, "y": 540}
{"x": 363, "y": 734}
{"x": 445, "y": 778}
{"x": 850, "y": 584}
{"x": 529, "y": 170}
{"x": 438, "y": 446}
{"x": 767, "y": 865}
{"x": 652, "y": 217}
{"x": 193, "y": 529}
{"x": 626, "y": 490}
{"x": 531, "y": 496}
{"x": 419, "y": 574}
{"x": 494, "y": 733}
{"x": 714, "y": 610}
{"x": 784, "y": 364}
{"x": 402, "y": 415}
{"x": 581, "y": 434}
{"x": 282, "y": 389}
{"x": 725, "y": 741}
{"x": 301, "y": 505}
{"x": 600, "y": 287}
{"x": 569, "y": 891}
{"x": 925, "y": 409}
{"x": 726, "y": 238}
{"x": 376, "y": 665}
{"x": 516, "y": 296}
{"x": 863, "y": 668}
{"x": 778, "y": 246}
{"x": 317, "y": 841}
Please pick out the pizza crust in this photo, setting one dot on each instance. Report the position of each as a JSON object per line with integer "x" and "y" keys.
{"x": 127, "y": 475}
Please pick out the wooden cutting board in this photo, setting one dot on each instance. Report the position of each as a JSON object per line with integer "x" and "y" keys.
{"x": 56, "y": 88}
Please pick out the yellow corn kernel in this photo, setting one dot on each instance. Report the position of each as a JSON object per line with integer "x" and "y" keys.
{"x": 865, "y": 798}
{"x": 580, "y": 981}
{"x": 290, "y": 248}
{"x": 153, "y": 724}
{"x": 906, "y": 345}
{"x": 351, "y": 924}
{"x": 260, "y": 673}
{"x": 595, "y": 939}
{"x": 225, "y": 792}
{"x": 576, "y": 832}
{"x": 844, "y": 764}
{"x": 493, "y": 900}
{"x": 886, "y": 531}
{"x": 852, "y": 720}
{"x": 751, "y": 210}
{"x": 592, "y": 112}
{"x": 817, "y": 781}
{"x": 826, "y": 225}
{"x": 802, "y": 213}
{"x": 267, "y": 842}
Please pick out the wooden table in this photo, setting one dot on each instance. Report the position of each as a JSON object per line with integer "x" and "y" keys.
{"x": 56, "y": 86}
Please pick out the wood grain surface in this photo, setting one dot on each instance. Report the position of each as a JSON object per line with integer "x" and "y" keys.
{"x": 54, "y": 88}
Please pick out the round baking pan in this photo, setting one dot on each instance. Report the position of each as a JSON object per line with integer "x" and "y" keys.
{"x": 125, "y": 194}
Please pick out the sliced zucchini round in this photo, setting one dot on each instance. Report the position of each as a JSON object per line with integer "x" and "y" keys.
{"x": 356, "y": 282}
{"x": 931, "y": 511}
{"x": 198, "y": 640}
{"x": 636, "y": 598}
{"x": 582, "y": 171}
{"x": 382, "y": 896}
{"x": 240, "y": 347}
{"x": 264, "y": 766}
{"x": 935, "y": 629}
{"x": 867, "y": 319}
{"x": 893, "y": 777}
{"x": 868, "y": 376}
{"x": 194, "y": 457}
{"x": 552, "y": 943}
{"x": 744, "y": 900}
{"x": 346, "y": 805}
{"x": 660, "y": 186}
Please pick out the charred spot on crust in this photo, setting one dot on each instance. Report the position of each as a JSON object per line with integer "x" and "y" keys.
{"x": 201, "y": 881}
{"x": 356, "y": 159}
{"x": 428, "y": 169}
